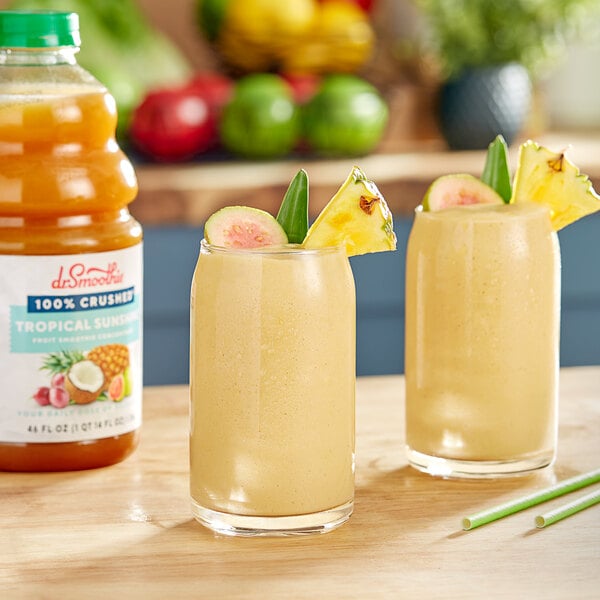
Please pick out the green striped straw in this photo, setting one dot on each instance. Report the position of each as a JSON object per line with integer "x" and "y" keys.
{"x": 562, "y": 512}
{"x": 509, "y": 508}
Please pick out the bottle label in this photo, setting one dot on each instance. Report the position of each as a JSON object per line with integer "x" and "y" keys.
{"x": 70, "y": 346}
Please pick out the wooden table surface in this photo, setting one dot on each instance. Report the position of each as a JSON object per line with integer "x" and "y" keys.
{"x": 126, "y": 531}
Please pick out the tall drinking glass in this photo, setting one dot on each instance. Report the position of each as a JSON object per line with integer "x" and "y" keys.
{"x": 482, "y": 333}
{"x": 272, "y": 390}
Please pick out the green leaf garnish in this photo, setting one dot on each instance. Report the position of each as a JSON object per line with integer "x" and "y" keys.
{"x": 293, "y": 213}
{"x": 496, "y": 173}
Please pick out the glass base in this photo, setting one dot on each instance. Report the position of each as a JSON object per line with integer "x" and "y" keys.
{"x": 250, "y": 526}
{"x": 477, "y": 469}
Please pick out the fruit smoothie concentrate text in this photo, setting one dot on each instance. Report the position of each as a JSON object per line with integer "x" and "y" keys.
{"x": 272, "y": 382}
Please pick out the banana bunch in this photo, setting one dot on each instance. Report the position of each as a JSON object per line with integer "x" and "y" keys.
{"x": 301, "y": 36}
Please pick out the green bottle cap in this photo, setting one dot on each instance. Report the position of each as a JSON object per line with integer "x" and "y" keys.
{"x": 38, "y": 29}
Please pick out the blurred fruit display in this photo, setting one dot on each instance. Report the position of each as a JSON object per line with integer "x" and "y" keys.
{"x": 305, "y": 36}
{"x": 260, "y": 116}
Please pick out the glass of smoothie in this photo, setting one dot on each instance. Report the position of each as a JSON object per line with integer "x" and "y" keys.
{"x": 482, "y": 332}
{"x": 272, "y": 387}
{"x": 482, "y": 319}
{"x": 272, "y": 377}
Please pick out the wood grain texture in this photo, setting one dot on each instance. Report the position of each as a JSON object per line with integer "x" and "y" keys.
{"x": 126, "y": 531}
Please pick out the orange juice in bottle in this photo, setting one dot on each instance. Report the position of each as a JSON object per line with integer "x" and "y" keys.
{"x": 70, "y": 258}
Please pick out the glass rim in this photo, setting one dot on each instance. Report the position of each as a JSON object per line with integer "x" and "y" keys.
{"x": 277, "y": 250}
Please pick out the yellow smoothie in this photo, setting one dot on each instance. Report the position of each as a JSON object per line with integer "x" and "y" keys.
{"x": 272, "y": 381}
{"x": 482, "y": 332}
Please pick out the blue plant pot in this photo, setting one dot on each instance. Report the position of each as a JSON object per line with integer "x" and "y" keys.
{"x": 483, "y": 102}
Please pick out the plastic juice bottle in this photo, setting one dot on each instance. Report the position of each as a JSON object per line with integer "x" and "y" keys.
{"x": 70, "y": 258}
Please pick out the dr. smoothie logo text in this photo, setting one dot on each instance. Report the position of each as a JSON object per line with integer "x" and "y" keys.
{"x": 78, "y": 276}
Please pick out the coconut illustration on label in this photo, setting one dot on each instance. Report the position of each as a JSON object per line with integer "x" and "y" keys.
{"x": 101, "y": 374}
{"x": 84, "y": 382}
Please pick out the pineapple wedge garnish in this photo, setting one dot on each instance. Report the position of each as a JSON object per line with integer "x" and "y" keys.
{"x": 357, "y": 217}
{"x": 550, "y": 178}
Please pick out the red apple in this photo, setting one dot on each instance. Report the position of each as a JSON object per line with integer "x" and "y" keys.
{"x": 304, "y": 85}
{"x": 173, "y": 124}
{"x": 217, "y": 89}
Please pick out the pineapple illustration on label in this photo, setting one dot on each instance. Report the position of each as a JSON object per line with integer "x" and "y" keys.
{"x": 113, "y": 359}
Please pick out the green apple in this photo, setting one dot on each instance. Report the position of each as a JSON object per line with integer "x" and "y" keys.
{"x": 261, "y": 120}
{"x": 346, "y": 117}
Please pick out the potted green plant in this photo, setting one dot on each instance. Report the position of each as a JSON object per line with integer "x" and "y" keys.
{"x": 488, "y": 52}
